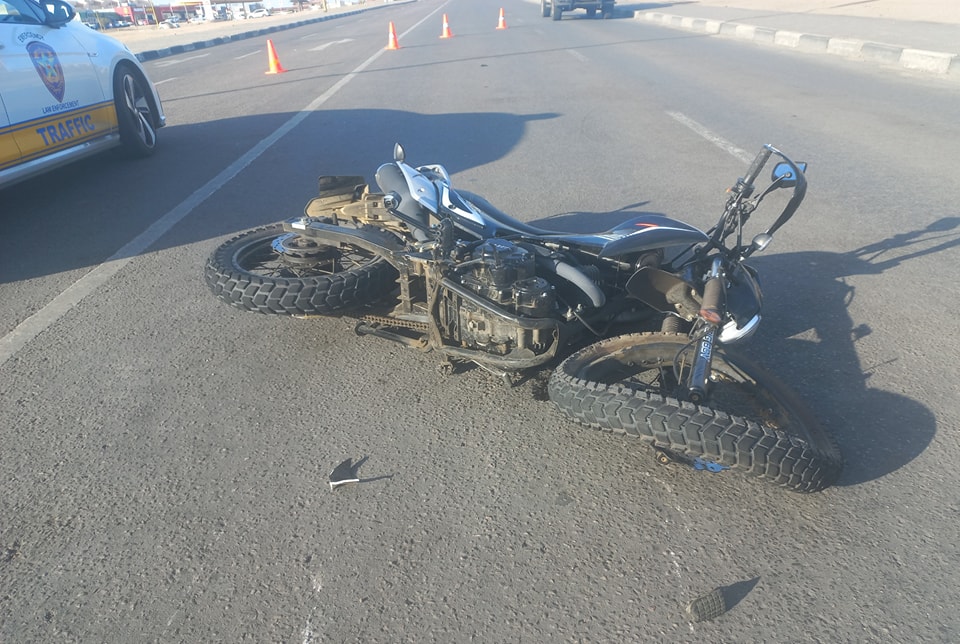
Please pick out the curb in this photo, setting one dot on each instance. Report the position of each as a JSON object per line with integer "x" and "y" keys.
{"x": 154, "y": 54}
{"x": 936, "y": 62}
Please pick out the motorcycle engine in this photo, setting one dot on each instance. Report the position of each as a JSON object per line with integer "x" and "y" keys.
{"x": 504, "y": 274}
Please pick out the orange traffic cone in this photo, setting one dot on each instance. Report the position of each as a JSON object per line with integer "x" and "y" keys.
{"x": 392, "y": 42}
{"x": 272, "y": 60}
{"x": 446, "y": 28}
{"x": 503, "y": 23}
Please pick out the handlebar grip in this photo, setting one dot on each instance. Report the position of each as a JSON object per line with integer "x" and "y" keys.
{"x": 757, "y": 165}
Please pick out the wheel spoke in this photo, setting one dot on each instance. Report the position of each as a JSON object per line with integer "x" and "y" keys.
{"x": 145, "y": 129}
{"x": 130, "y": 93}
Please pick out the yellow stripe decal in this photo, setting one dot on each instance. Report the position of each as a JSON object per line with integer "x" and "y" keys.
{"x": 9, "y": 151}
{"x": 50, "y": 134}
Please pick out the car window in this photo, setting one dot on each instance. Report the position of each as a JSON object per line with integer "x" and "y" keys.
{"x": 20, "y": 12}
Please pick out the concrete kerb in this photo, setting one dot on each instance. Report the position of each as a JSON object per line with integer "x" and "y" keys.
{"x": 153, "y": 54}
{"x": 916, "y": 59}
{"x": 929, "y": 61}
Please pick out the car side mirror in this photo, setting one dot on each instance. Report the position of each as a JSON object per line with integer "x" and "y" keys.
{"x": 58, "y": 13}
{"x": 783, "y": 174}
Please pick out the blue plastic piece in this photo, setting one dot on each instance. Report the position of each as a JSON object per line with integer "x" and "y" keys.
{"x": 700, "y": 464}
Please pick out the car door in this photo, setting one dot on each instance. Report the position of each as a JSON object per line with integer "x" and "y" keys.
{"x": 51, "y": 91}
{"x": 9, "y": 151}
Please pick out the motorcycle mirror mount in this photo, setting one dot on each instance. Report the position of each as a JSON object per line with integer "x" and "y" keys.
{"x": 398, "y": 154}
{"x": 784, "y": 176}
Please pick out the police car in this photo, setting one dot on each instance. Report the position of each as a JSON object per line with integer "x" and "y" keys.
{"x": 67, "y": 91}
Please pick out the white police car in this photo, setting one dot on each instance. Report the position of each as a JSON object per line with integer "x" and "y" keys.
{"x": 67, "y": 91}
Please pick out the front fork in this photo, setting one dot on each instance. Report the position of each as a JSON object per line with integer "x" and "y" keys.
{"x": 711, "y": 314}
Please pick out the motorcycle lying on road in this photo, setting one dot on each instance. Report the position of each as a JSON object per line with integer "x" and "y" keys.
{"x": 444, "y": 271}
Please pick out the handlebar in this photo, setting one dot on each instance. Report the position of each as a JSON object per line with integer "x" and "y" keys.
{"x": 740, "y": 206}
{"x": 754, "y": 171}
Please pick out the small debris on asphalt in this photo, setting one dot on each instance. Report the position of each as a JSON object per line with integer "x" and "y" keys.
{"x": 344, "y": 474}
{"x": 706, "y": 607}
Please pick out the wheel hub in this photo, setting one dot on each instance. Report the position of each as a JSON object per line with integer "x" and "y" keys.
{"x": 299, "y": 252}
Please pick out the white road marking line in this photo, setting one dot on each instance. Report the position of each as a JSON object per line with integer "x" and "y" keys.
{"x": 252, "y": 53}
{"x": 716, "y": 139}
{"x": 165, "y": 80}
{"x": 37, "y": 323}
{"x": 307, "y": 633}
{"x": 327, "y": 44}
{"x": 167, "y": 63}
{"x": 321, "y": 34}
{"x": 576, "y": 54}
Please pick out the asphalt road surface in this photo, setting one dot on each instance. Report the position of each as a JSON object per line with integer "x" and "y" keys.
{"x": 165, "y": 457}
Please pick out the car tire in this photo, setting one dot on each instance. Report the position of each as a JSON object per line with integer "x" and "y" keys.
{"x": 136, "y": 114}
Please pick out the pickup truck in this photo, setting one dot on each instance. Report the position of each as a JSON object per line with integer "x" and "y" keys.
{"x": 557, "y": 7}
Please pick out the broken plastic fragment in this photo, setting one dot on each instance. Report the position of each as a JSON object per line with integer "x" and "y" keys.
{"x": 344, "y": 474}
{"x": 710, "y": 466}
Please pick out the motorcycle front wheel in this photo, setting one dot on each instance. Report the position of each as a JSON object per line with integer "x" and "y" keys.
{"x": 268, "y": 270}
{"x": 751, "y": 421}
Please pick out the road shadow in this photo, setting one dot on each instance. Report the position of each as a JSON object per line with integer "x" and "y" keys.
{"x": 813, "y": 345}
{"x": 41, "y": 238}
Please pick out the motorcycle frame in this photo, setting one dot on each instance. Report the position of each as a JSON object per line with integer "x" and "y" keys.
{"x": 414, "y": 267}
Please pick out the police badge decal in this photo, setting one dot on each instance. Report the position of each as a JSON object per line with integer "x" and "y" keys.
{"x": 47, "y": 64}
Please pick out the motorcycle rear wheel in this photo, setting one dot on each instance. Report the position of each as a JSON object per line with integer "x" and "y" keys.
{"x": 267, "y": 270}
{"x": 752, "y": 422}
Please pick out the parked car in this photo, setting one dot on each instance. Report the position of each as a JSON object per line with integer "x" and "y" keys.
{"x": 170, "y": 23}
{"x": 68, "y": 92}
{"x": 259, "y": 13}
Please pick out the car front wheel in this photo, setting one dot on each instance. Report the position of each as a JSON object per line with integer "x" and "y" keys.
{"x": 135, "y": 113}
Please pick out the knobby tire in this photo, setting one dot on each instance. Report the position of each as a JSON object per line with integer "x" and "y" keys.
{"x": 263, "y": 287}
{"x": 794, "y": 452}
